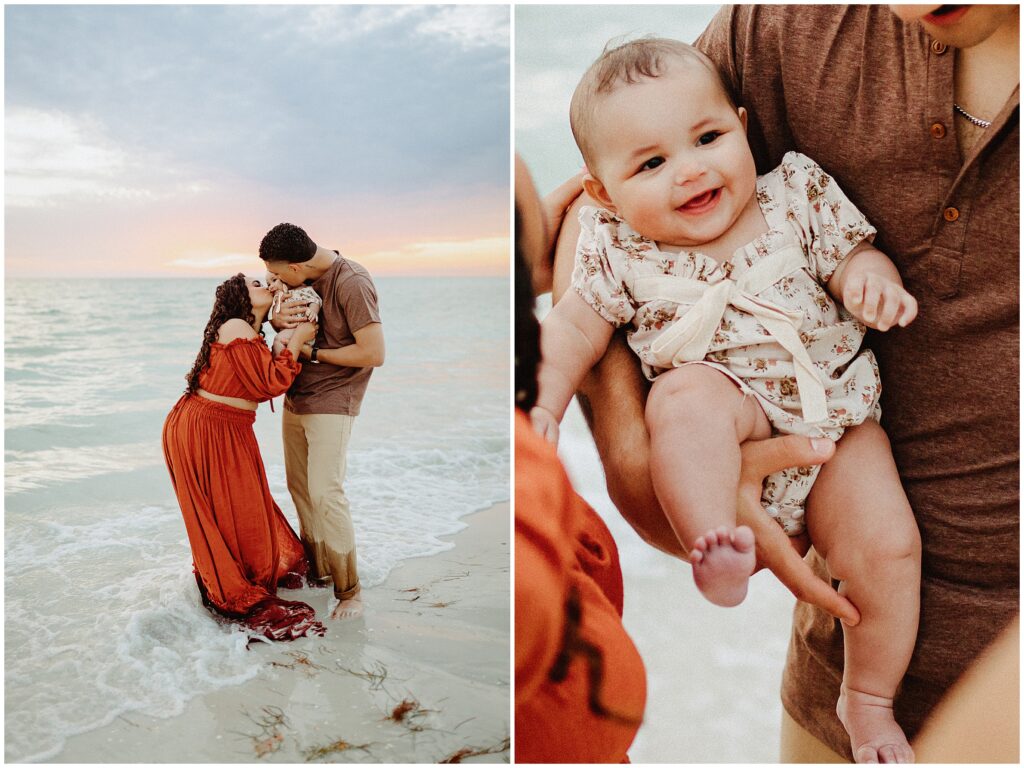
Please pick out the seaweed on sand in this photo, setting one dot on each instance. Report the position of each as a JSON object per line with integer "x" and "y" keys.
{"x": 318, "y": 753}
{"x": 270, "y": 722}
{"x": 375, "y": 675}
{"x": 300, "y": 660}
{"x": 462, "y": 754}
{"x": 408, "y": 712}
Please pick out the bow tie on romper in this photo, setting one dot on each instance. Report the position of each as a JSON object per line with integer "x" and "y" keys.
{"x": 688, "y": 338}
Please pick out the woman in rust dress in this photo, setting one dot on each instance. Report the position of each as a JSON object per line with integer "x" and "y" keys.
{"x": 242, "y": 547}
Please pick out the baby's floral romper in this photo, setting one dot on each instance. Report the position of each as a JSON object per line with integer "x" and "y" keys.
{"x": 763, "y": 318}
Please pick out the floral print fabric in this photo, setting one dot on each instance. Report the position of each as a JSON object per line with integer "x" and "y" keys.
{"x": 628, "y": 280}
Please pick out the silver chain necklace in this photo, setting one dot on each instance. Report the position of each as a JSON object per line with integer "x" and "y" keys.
{"x": 971, "y": 118}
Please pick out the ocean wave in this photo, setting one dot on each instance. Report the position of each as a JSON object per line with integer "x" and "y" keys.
{"x": 29, "y": 470}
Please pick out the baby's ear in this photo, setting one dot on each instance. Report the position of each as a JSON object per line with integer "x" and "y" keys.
{"x": 743, "y": 117}
{"x": 593, "y": 187}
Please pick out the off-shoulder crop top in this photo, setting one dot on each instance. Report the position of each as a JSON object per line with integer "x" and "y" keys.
{"x": 245, "y": 368}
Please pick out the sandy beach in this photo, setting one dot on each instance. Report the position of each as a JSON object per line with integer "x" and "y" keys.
{"x": 423, "y": 676}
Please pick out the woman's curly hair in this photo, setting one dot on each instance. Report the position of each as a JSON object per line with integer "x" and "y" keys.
{"x": 232, "y": 300}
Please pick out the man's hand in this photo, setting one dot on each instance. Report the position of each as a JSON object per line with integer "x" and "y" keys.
{"x": 781, "y": 554}
{"x": 555, "y": 204}
{"x": 878, "y": 301}
{"x": 292, "y": 313}
{"x": 544, "y": 423}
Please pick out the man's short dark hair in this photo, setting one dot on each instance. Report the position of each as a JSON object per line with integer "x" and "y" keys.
{"x": 287, "y": 242}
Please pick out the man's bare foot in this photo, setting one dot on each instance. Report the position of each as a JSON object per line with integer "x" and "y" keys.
{"x": 722, "y": 561}
{"x": 874, "y": 735}
{"x": 351, "y": 608}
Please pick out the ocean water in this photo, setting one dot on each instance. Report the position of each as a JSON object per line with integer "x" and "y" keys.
{"x": 102, "y": 611}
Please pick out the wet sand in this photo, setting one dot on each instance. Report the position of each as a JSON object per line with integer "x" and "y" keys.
{"x": 422, "y": 676}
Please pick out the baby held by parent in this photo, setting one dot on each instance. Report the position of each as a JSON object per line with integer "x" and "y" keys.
{"x": 284, "y": 293}
{"x": 745, "y": 298}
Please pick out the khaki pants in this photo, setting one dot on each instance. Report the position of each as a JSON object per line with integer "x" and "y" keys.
{"x": 315, "y": 446}
{"x": 799, "y": 746}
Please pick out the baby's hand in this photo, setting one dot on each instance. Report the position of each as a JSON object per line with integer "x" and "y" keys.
{"x": 312, "y": 312}
{"x": 879, "y": 302}
{"x": 544, "y": 423}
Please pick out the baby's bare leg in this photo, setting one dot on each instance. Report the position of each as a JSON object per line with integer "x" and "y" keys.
{"x": 859, "y": 519}
{"x": 697, "y": 418}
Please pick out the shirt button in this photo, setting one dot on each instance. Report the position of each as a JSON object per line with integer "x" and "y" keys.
{"x": 951, "y": 214}
{"x": 938, "y": 130}
{"x": 939, "y": 48}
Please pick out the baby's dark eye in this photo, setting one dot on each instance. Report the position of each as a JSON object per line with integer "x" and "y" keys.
{"x": 708, "y": 137}
{"x": 653, "y": 163}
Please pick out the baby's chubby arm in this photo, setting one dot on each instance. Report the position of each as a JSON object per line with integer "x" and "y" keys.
{"x": 573, "y": 338}
{"x": 869, "y": 286}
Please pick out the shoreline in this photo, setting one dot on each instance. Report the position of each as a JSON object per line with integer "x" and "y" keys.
{"x": 422, "y": 676}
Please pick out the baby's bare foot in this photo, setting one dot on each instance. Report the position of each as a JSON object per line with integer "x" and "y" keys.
{"x": 722, "y": 561}
{"x": 874, "y": 735}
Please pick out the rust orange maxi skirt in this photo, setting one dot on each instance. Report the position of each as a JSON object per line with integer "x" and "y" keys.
{"x": 242, "y": 545}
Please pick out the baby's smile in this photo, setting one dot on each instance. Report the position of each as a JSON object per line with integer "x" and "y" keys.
{"x": 701, "y": 203}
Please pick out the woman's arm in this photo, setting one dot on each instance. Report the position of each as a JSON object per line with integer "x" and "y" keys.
{"x": 303, "y": 332}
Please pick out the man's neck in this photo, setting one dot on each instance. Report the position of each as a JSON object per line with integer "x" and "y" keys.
{"x": 321, "y": 262}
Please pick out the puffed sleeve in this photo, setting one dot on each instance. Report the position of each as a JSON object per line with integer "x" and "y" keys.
{"x": 827, "y": 224}
{"x": 593, "y": 276}
{"x": 261, "y": 375}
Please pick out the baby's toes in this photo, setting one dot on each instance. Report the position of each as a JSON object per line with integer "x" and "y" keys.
{"x": 743, "y": 539}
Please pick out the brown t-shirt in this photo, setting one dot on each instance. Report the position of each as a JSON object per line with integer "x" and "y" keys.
{"x": 350, "y": 303}
{"x": 871, "y": 101}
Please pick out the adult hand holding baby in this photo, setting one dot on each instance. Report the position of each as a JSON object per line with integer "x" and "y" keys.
{"x": 779, "y": 553}
{"x": 291, "y": 314}
{"x": 555, "y": 205}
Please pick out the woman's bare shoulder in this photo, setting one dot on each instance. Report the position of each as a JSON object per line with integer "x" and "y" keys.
{"x": 235, "y": 328}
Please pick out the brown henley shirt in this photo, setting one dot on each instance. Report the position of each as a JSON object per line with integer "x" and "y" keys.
{"x": 871, "y": 100}
{"x": 350, "y": 303}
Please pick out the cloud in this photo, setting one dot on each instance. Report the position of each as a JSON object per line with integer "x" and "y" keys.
{"x": 193, "y": 259}
{"x": 479, "y": 255}
{"x": 472, "y": 26}
{"x": 53, "y": 157}
{"x": 468, "y": 26}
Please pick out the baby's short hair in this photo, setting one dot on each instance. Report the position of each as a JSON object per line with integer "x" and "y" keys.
{"x": 627, "y": 64}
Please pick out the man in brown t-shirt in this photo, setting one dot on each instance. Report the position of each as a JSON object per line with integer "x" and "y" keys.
{"x": 871, "y": 99}
{"x": 324, "y": 399}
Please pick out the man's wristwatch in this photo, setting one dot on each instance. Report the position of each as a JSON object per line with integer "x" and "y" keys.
{"x": 312, "y": 355}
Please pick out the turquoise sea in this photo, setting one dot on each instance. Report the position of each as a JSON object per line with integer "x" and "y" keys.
{"x": 102, "y": 611}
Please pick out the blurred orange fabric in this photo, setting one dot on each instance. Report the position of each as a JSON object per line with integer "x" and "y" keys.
{"x": 562, "y": 547}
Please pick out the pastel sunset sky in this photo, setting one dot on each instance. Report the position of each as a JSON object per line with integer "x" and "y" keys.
{"x": 166, "y": 140}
